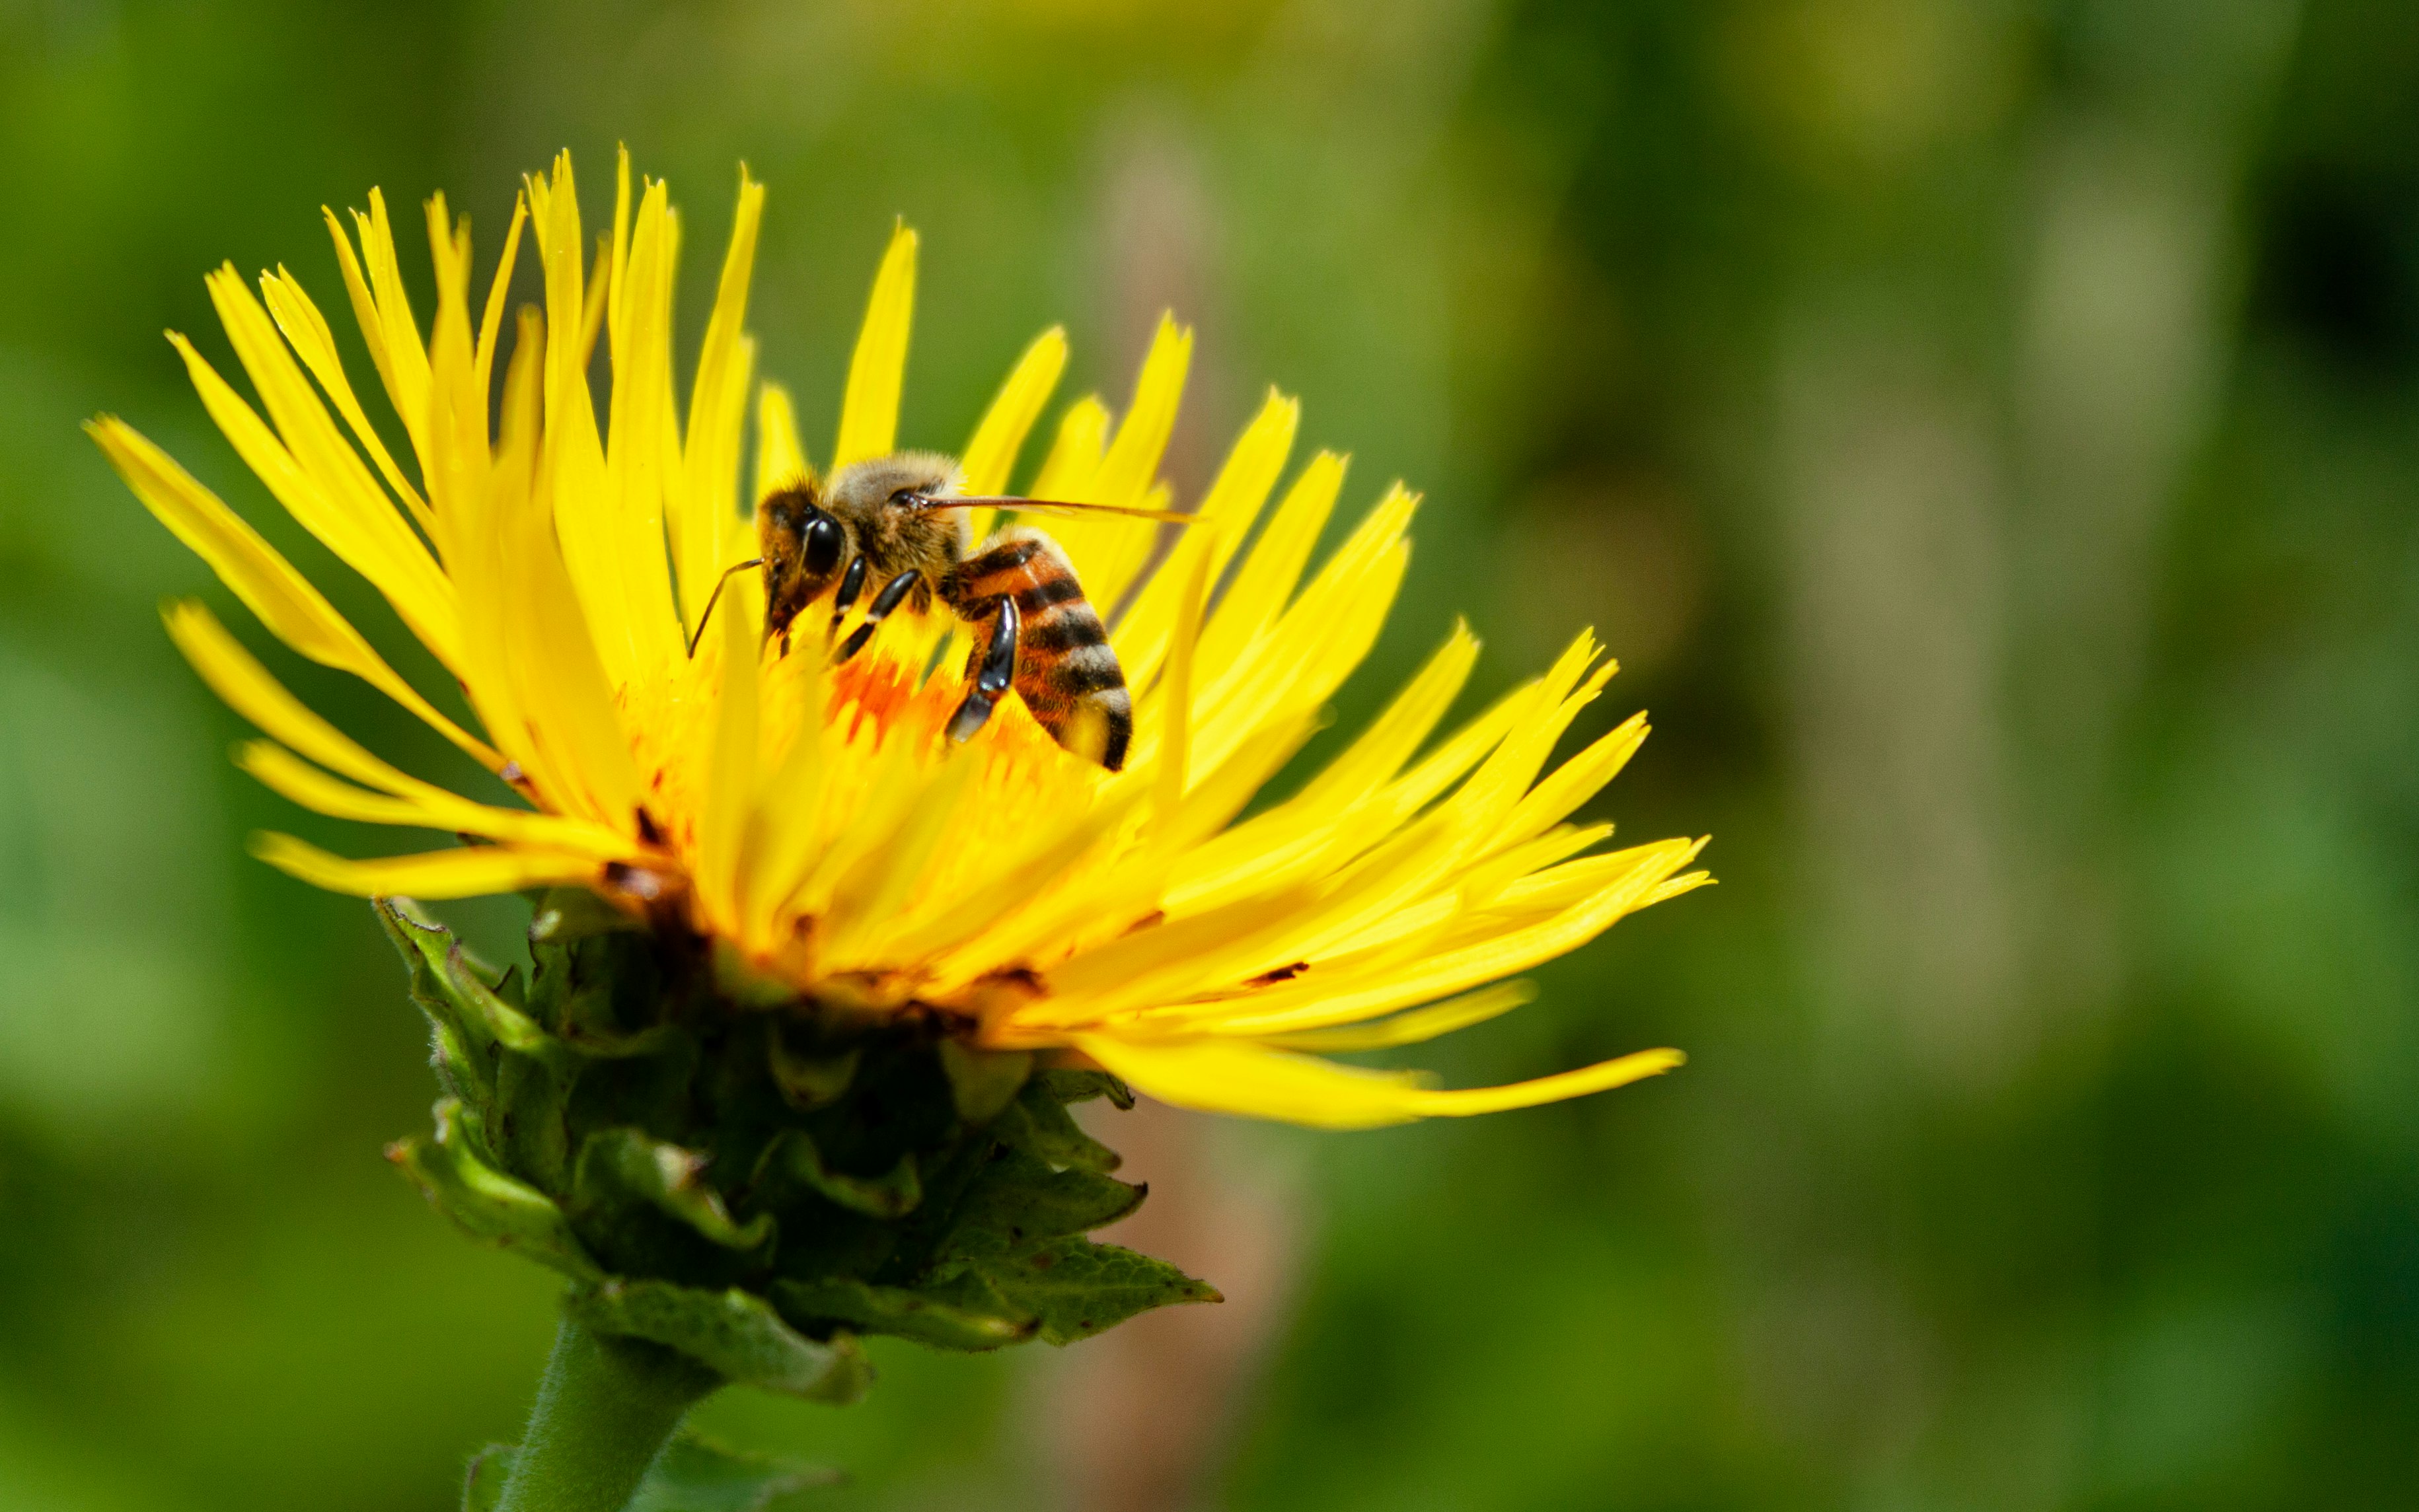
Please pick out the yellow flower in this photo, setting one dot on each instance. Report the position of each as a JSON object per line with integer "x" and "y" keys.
{"x": 813, "y": 820}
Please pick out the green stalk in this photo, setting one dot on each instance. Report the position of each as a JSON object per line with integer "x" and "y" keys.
{"x": 605, "y": 1409}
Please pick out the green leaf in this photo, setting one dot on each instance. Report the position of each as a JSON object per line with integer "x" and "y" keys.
{"x": 982, "y": 1082}
{"x": 622, "y": 1166}
{"x": 485, "y": 1203}
{"x": 734, "y": 1332}
{"x": 966, "y": 1315}
{"x": 697, "y": 1474}
{"x": 1076, "y": 1288}
{"x": 891, "y": 1195}
{"x": 1036, "y": 1121}
{"x": 1019, "y": 1202}
{"x": 1065, "y": 1085}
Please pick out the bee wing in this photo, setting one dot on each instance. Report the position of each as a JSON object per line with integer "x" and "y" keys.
{"x": 1049, "y": 505}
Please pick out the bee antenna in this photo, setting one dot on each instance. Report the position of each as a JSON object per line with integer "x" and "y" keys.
{"x": 716, "y": 597}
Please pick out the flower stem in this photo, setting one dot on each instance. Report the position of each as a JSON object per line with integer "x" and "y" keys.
{"x": 605, "y": 1409}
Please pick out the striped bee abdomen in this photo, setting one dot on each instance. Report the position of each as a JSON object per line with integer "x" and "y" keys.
{"x": 1064, "y": 671}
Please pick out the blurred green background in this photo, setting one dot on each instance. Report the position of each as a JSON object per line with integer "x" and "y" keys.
{"x": 1988, "y": 433}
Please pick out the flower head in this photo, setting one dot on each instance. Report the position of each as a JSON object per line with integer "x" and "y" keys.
{"x": 810, "y": 815}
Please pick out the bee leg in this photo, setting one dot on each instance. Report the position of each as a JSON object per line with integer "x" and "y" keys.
{"x": 893, "y": 594}
{"x": 851, "y": 582}
{"x": 996, "y": 673}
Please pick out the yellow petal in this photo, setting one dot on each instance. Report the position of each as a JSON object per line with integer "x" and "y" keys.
{"x": 1269, "y": 575}
{"x": 1431, "y": 976}
{"x": 1602, "y": 1077}
{"x": 281, "y": 772}
{"x": 384, "y": 313}
{"x": 731, "y": 781}
{"x": 1417, "y": 1027}
{"x": 285, "y": 600}
{"x": 247, "y": 688}
{"x": 325, "y": 486}
{"x": 1225, "y": 518}
{"x": 1109, "y": 549}
{"x": 1238, "y": 1076}
{"x": 868, "y": 416}
{"x": 498, "y": 288}
{"x": 991, "y": 455}
{"x": 706, "y": 520}
{"x": 473, "y": 871}
{"x": 1075, "y": 453}
{"x": 780, "y": 458}
{"x": 306, "y": 330}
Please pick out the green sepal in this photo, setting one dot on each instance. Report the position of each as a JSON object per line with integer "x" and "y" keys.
{"x": 484, "y": 1203}
{"x": 739, "y": 981}
{"x": 693, "y": 1475}
{"x": 894, "y": 1194}
{"x": 734, "y": 1333}
{"x": 1039, "y": 1123}
{"x": 1063, "y": 1085}
{"x": 808, "y": 1082}
{"x": 469, "y": 1020}
{"x": 982, "y": 1082}
{"x": 483, "y": 1479}
{"x": 1074, "y": 1287}
{"x": 1019, "y": 1202}
{"x": 562, "y": 915}
{"x": 967, "y": 1314}
{"x": 697, "y": 1474}
{"x": 618, "y": 1167}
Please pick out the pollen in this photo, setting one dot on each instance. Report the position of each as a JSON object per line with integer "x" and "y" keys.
{"x": 806, "y": 809}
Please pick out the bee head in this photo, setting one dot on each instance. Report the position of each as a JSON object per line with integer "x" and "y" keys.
{"x": 803, "y": 546}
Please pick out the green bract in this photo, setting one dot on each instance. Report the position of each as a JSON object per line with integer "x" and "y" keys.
{"x": 753, "y": 1182}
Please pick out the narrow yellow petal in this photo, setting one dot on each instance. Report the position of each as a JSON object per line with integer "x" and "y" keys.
{"x": 1236, "y": 1077}
{"x": 1429, "y": 976}
{"x": 731, "y": 777}
{"x": 780, "y": 457}
{"x": 868, "y": 416}
{"x": 285, "y": 773}
{"x": 473, "y": 871}
{"x": 407, "y": 357}
{"x": 247, "y": 688}
{"x": 1563, "y": 789}
{"x": 1602, "y": 1077}
{"x": 1175, "y": 697}
{"x": 1268, "y": 576}
{"x": 314, "y": 471}
{"x": 1075, "y": 454}
{"x": 1126, "y": 471}
{"x": 991, "y": 455}
{"x": 1109, "y": 549}
{"x": 294, "y": 610}
{"x": 706, "y": 518}
{"x": 306, "y": 330}
{"x": 499, "y": 289}
{"x": 1380, "y": 750}
{"x": 1417, "y": 1027}
{"x": 1227, "y": 513}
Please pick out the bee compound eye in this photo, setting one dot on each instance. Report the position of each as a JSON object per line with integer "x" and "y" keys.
{"x": 821, "y": 544}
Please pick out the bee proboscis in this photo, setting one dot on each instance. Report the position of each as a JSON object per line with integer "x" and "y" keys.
{"x": 898, "y": 522}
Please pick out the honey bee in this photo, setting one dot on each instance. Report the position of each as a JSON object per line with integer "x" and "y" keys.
{"x": 897, "y": 521}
